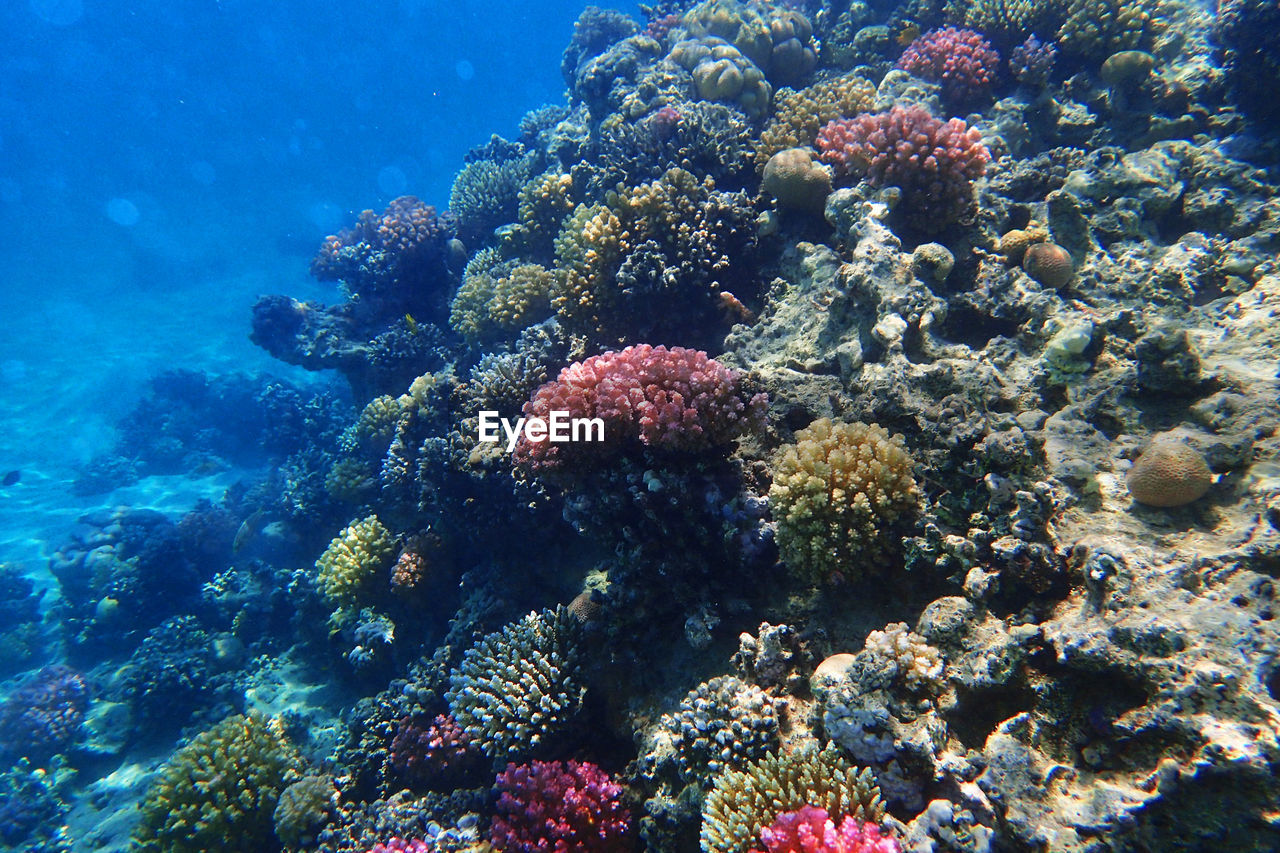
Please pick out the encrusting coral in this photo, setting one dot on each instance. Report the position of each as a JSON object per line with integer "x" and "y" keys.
{"x": 835, "y": 493}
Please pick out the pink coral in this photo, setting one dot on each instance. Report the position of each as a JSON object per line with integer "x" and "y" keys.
{"x": 960, "y": 60}
{"x": 810, "y": 830}
{"x": 933, "y": 162}
{"x": 671, "y": 399}
{"x": 560, "y": 806}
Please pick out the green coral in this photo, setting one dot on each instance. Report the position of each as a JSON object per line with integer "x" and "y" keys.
{"x": 835, "y": 492}
{"x": 220, "y": 791}
{"x": 490, "y": 305}
{"x": 742, "y": 802}
{"x": 352, "y": 560}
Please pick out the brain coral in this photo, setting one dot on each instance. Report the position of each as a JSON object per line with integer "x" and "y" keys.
{"x": 743, "y": 802}
{"x": 352, "y": 560}
{"x": 722, "y": 73}
{"x": 1170, "y": 472}
{"x": 959, "y": 60}
{"x": 834, "y": 493}
{"x": 796, "y": 181}
{"x": 933, "y": 162}
{"x": 655, "y": 261}
{"x": 673, "y": 400}
{"x": 775, "y": 38}
{"x": 220, "y": 791}
{"x": 519, "y": 686}
{"x": 553, "y": 806}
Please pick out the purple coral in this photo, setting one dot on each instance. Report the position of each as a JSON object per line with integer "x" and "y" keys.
{"x": 1032, "y": 61}
{"x": 961, "y": 61}
{"x": 810, "y": 830}
{"x": 402, "y": 845}
{"x": 557, "y": 807}
{"x": 933, "y": 162}
{"x": 671, "y": 399}
{"x": 43, "y": 716}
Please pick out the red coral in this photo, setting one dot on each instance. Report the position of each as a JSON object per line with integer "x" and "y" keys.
{"x": 434, "y": 755}
{"x": 402, "y": 845}
{"x": 810, "y": 830}
{"x": 547, "y": 806}
{"x": 960, "y": 60}
{"x": 671, "y": 399}
{"x": 933, "y": 162}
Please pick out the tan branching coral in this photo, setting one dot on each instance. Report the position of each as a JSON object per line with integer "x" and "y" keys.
{"x": 220, "y": 791}
{"x": 798, "y": 115}
{"x": 353, "y": 558}
{"x": 835, "y": 492}
{"x": 741, "y": 802}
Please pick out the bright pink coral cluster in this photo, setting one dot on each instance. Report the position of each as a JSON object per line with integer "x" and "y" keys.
{"x": 554, "y": 806}
{"x": 933, "y": 162}
{"x": 404, "y": 242}
{"x": 671, "y": 399}
{"x": 959, "y": 60}
{"x": 811, "y": 830}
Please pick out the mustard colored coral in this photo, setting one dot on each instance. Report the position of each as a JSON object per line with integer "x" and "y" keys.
{"x": 835, "y": 491}
{"x": 545, "y": 201}
{"x": 220, "y": 791}
{"x": 798, "y": 115}
{"x": 352, "y": 560}
{"x": 742, "y": 802}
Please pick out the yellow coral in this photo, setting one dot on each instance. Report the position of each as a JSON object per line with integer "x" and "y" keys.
{"x": 799, "y": 115}
{"x": 219, "y": 792}
{"x": 376, "y": 425}
{"x": 834, "y": 493}
{"x": 352, "y": 560}
{"x": 350, "y": 480}
{"x": 742, "y": 802}
{"x": 488, "y": 303}
{"x": 545, "y": 201}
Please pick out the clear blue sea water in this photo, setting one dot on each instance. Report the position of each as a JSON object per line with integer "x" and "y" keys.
{"x": 163, "y": 163}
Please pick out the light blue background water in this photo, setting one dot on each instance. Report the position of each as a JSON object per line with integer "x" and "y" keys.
{"x": 163, "y": 162}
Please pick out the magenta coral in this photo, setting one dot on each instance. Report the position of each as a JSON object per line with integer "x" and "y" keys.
{"x": 933, "y": 162}
{"x": 959, "y": 60}
{"x": 810, "y": 830}
{"x": 671, "y": 399}
{"x": 559, "y": 806}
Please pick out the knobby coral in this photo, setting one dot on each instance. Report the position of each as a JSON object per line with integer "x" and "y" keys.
{"x": 931, "y": 161}
{"x": 351, "y": 562}
{"x": 835, "y": 492}
{"x": 560, "y": 806}
{"x": 672, "y": 400}
{"x": 960, "y": 60}
{"x": 810, "y": 830}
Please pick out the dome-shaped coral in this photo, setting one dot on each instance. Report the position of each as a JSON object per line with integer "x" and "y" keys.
{"x": 1170, "y": 472}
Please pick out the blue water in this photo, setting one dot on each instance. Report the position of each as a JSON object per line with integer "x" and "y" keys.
{"x": 164, "y": 162}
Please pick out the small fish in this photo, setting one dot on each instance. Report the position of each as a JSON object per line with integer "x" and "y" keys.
{"x": 411, "y": 323}
{"x": 11, "y": 478}
{"x": 249, "y": 528}
{"x": 910, "y": 30}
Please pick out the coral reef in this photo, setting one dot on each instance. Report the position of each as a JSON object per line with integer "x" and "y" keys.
{"x": 520, "y": 686}
{"x": 671, "y": 400}
{"x": 932, "y": 162}
{"x": 959, "y": 60}
{"x": 220, "y": 790}
{"x": 835, "y": 495}
{"x": 809, "y": 830}
{"x": 551, "y": 806}
{"x": 798, "y": 115}
{"x": 743, "y": 802}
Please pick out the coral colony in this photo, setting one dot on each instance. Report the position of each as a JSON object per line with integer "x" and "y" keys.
{"x": 835, "y": 428}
